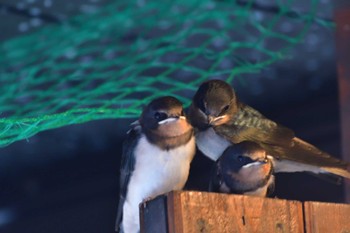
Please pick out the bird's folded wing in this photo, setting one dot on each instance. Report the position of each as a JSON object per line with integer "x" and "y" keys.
{"x": 126, "y": 168}
{"x": 302, "y": 156}
{"x": 249, "y": 125}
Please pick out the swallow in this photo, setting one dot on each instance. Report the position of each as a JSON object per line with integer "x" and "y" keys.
{"x": 156, "y": 158}
{"x": 243, "y": 168}
{"x": 221, "y": 120}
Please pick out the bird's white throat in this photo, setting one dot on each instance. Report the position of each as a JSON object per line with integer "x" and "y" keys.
{"x": 211, "y": 144}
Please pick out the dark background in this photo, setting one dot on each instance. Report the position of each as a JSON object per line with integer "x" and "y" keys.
{"x": 66, "y": 180}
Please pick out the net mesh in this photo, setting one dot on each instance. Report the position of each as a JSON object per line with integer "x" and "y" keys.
{"x": 113, "y": 62}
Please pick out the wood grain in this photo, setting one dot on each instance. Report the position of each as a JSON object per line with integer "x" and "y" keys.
{"x": 326, "y": 217}
{"x": 200, "y": 212}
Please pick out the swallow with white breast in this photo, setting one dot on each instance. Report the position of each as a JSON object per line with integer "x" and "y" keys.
{"x": 156, "y": 158}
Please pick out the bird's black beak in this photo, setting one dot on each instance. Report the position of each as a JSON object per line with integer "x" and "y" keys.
{"x": 171, "y": 119}
{"x": 210, "y": 119}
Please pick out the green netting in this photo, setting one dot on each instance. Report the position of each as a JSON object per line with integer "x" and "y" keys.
{"x": 109, "y": 64}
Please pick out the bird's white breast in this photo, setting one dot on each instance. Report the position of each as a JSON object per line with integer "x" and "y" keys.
{"x": 211, "y": 144}
{"x": 156, "y": 172}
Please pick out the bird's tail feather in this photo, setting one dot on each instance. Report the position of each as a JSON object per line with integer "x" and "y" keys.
{"x": 337, "y": 171}
{"x": 305, "y": 153}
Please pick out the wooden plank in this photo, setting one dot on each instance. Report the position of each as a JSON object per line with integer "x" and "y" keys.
{"x": 194, "y": 212}
{"x": 211, "y": 212}
{"x": 175, "y": 219}
{"x": 342, "y": 19}
{"x": 326, "y": 217}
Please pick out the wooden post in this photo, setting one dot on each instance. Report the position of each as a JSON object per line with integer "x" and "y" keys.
{"x": 342, "y": 18}
{"x": 326, "y": 217}
{"x": 195, "y": 212}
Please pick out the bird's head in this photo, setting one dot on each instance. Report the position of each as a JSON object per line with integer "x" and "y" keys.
{"x": 164, "y": 122}
{"x": 244, "y": 156}
{"x": 213, "y": 104}
{"x": 245, "y": 165}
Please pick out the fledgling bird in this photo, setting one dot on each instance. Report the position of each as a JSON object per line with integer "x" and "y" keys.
{"x": 156, "y": 158}
{"x": 243, "y": 168}
{"x": 221, "y": 120}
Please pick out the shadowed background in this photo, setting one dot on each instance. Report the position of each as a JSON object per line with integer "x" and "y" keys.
{"x": 61, "y": 176}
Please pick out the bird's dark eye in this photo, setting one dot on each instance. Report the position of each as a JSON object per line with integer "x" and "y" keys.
{"x": 159, "y": 116}
{"x": 224, "y": 109}
{"x": 182, "y": 113}
{"x": 240, "y": 158}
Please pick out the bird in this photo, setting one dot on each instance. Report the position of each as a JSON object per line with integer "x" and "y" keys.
{"x": 156, "y": 158}
{"x": 244, "y": 168}
{"x": 221, "y": 120}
